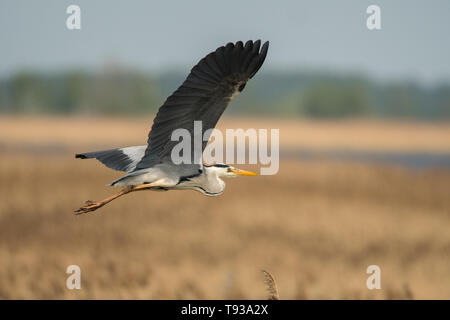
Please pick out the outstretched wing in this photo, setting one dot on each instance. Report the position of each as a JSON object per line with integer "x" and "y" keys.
{"x": 203, "y": 96}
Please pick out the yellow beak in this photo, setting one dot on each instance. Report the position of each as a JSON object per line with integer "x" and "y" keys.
{"x": 243, "y": 172}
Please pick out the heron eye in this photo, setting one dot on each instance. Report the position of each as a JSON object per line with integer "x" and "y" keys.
{"x": 229, "y": 170}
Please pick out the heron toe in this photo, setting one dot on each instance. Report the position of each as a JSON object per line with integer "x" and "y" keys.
{"x": 88, "y": 207}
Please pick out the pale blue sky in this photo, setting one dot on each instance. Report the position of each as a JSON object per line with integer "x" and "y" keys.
{"x": 156, "y": 35}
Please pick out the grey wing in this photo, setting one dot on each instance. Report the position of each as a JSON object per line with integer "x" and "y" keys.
{"x": 203, "y": 96}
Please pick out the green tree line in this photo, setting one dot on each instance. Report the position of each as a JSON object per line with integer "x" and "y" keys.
{"x": 314, "y": 94}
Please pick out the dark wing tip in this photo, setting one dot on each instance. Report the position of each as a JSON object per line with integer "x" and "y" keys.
{"x": 229, "y": 46}
{"x": 263, "y": 52}
{"x": 80, "y": 156}
{"x": 258, "y": 61}
{"x": 232, "y": 57}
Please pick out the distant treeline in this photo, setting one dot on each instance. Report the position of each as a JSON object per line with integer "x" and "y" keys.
{"x": 316, "y": 95}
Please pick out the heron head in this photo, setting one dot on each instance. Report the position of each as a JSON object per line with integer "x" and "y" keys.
{"x": 225, "y": 170}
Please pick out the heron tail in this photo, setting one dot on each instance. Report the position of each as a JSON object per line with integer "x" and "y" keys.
{"x": 122, "y": 159}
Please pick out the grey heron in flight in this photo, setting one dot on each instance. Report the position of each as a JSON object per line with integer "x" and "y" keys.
{"x": 203, "y": 96}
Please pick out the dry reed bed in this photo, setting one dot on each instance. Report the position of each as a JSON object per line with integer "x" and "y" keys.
{"x": 315, "y": 226}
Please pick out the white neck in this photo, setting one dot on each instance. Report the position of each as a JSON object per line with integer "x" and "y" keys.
{"x": 208, "y": 182}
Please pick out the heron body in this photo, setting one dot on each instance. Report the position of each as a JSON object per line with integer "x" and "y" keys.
{"x": 203, "y": 96}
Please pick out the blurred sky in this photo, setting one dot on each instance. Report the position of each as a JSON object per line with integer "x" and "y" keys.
{"x": 161, "y": 35}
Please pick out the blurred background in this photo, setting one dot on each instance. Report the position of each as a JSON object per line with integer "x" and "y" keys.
{"x": 364, "y": 119}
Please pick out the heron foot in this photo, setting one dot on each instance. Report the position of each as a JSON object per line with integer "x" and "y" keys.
{"x": 88, "y": 207}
